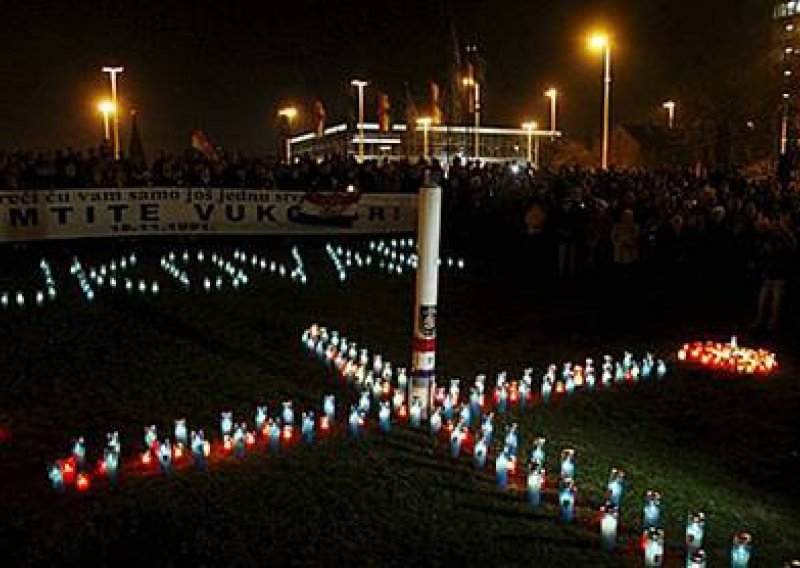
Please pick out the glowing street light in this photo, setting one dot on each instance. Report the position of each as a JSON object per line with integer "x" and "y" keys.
{"x": 530, "y": 127}
{"x": 106, "y": 108}
{"x": 112, "y": 73}
{"x": 470, "y": 82}
{"x": 601, "y": 42}
{"x": 552, "y": 94}
{"x": 670, "y": 108}
{"x": 425, "y": 122}
{"x": 289, "y": 113}
{"x": 359, "y": 84}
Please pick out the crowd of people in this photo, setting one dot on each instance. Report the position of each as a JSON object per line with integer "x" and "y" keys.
{"x": 681, "y": 223}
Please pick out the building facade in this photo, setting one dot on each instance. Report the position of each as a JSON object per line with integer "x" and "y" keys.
{"x": 444, "y": 143}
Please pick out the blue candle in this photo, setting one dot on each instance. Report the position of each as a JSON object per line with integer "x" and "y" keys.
{"x": 56, "y": 477}
{"x": 524, "y": 394}
{"x": 480, "y": 453}
{"x": 487, "y": 427}
{"x": 416, "y": 412}
{"x": 239, "y": 440}
{"x": 79, "y": 451}
{"x": 537, "y": 454}
{"x": 651, "y": 511}
{"x": 274, "y": 435}
{"x": 198, "y": 449}
{"x": 566, "y": 500}
{"x": 384, "y": 415}
{"x": 695, "y": 531}
{"x": 465, "y": 414}
{"x": 447, "y": 407}
{"x": 226, "y": 423}
{"x": 547, "y": 389}
{"x": 512, "y": 439}
{"x": 616, "y": 487}
{"x": 355, "y": 421}
{"x": 536, "y": 480}
{"x": 741, "y": 550}
{"x": 181, "y": 434}
{"x": 501, "y": 470}
{"x": 436, "y": 421}
{"x": 364, "y": 401}
{"x": 307, "y": 428}
{"x": 288, "y": 413}
{"x": 165, "y": 456}
{"x": 653, "y": 548}
{"x": 609, "y": 523}
{"x": 261, "y": 416}
{"x": 502, "y": 399}
{"x": 111, "y": 464}
{"x": 456, "y": 437}
{"x": 568, "y": 463}
{"x": 329, "y": 406}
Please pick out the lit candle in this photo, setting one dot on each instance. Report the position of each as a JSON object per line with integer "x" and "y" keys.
{"x": 609, "y": 522}
{"x": 288, "y": 413}
{"x": 487, "y": 427}
{"x": 456, "y": 437}
{"x": 111, "y": 465}
{"x": 741, "y": 550}
{"x": 475, "y": 402}
{"x": 261, "y": 416}
{"x": 547, "y": 389}
{"x": 695, "y": 531}
{"x": 181, "y": 435}
{"x": 651, "y": 512}
{"x": 416, "y": 412}
{"x": 537, "y": 454}
{"x": 479, "y": 453}
{"x": 307, "y": 429}
{"x": 79, "y": 451}
{"x": 384, "y": 415}
{"x": 536, "y": 481}
{"x": 329, "y": 406}
{"x": 226, "y": 423}
{"x": 616, "y": 487}
{"x": 501, "y": 470}
{"x": 653, "y": 547}
{"x": 465, "y": 414}
{"x": 274, "y": 435}
{"x": 56, "y": 476}
{"x": 512, "y": 439}
{"x": 568, "y": 463}
{"x": 165, "y": 457}
{"x": 436, "y": 421}
{"x": 239, "y": 434}
{"x": 355, "y": 421}
{"x": 198, "y": 449}
{"x": 566, "y": 500}
{"x": 697, "y": 559}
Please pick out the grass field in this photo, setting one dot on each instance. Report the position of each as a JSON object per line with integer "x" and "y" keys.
{"x": 727, "y": 446}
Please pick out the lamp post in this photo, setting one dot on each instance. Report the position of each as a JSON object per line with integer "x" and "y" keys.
{"x": 552, "y": 94}
{"x": 113, "y": 72}
{"x": 670, "y": 108}
{"x": 425, "y": 123}
{"x": 289, "y": 113}
{"x": 106, "y": 108}
{"x": 470, "y": 82}
{"x": 598, "y": 42}
{"x": 359, "y": 84}
{"x": 530, "y": 127}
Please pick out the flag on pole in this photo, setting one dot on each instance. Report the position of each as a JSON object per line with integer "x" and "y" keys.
{"x": 436, "y": 110}
{"x": 319, "y": 118}
{"x": 384, "y": 118}
{"x": 202, "y": 144}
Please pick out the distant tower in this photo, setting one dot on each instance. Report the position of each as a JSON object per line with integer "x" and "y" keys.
{"x": 786, "y": 47}
{"x": 135, "y": 146}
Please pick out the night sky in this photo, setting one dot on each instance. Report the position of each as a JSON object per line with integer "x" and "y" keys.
{"x": 225, "y": 67}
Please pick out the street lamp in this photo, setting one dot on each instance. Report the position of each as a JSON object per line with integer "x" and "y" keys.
{"x": 529, "y": 128}
{"x": 552, "y": 94}
{"x": 601, "y": 42}
{"x": 670, "y": 107}
{"x": 359, "y": 84}
{"x": 106, "y": 108}
{"x": 289, "y": 113}
{"x": 112, "y": 73}
{"x": 425, "y": 123}
{"x": 470, "y": 82}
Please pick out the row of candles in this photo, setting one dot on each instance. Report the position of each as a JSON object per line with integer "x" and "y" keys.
{"x": 729, "y": 357}
{"x": 351, "y": 363}
{"x": 395, "y": 257}
{"x": 21, "y": 300}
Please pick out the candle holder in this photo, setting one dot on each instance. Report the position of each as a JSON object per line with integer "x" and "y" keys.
{"x": 199, "y": 452}
{"x": 416, "y": 412}
{"x": 226, "y": 423}
{"x": 307, "y": 428}
{"x": 261, "y": 417}
{"x": 436, "y": 422}
{"x": 111, "y": 465}
{"x": 165, "y": 457}
{"x": 329, "y": 406}
{"x": 239, "y": 435}
{"x": 384, "y": 417}
{"x": 181, "y": 434}
{"x": 487, "y": 427}
{"x": 56, "y": 476}
{"x": 741, "y": 550}
{"x": 79, "y": 451}
{"x": 288, "y": 413}
{"x": 512, "y": 439}
{"x": 274, "y": 435}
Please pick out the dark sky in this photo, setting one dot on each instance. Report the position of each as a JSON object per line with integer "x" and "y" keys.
{"x": 224, "y": 67}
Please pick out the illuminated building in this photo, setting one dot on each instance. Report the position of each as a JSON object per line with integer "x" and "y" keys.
{"x": 787, "y": 52}
{"x": 497, "y": 144}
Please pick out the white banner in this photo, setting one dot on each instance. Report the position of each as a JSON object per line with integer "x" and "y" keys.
{"x": 73, "y": 213}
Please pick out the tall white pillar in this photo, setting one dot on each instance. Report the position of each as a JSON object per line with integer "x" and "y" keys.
{"x": 423, "y": 357}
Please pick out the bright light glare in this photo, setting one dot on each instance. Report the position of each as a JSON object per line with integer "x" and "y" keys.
{"x": 598, "y": 41}
{"x": 106, "y": 107}
{"x": 288, "y": 112}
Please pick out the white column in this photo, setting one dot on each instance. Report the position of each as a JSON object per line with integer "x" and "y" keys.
{"x": 423, "y": 357}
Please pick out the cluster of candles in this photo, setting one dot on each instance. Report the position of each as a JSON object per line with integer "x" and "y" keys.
{"x": 38, "y": 298}
{"x": 730, "y": 357}
{"x": 466, "y": 425}
{"x": 394, "y": 257}
{"x": 113, "y": 276}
